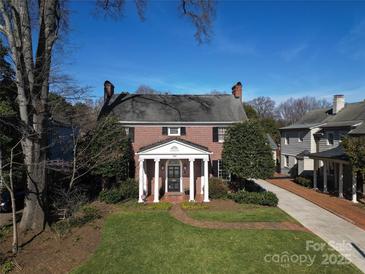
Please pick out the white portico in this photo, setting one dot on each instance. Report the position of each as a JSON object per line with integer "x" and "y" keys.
{"x": 173, "y": 166}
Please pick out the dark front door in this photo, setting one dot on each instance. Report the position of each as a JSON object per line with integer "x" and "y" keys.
{"x": 173, "y": 179}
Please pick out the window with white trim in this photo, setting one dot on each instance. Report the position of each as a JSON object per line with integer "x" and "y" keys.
{"x": 173, "y": 131}
{"x": 221, "y": 134}
{"x": 222, "y": 172}
{"x": 330, "y": 138}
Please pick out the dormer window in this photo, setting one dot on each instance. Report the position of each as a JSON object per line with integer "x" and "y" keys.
{"x": 173, "y": 131}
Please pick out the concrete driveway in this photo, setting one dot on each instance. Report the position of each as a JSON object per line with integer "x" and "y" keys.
{"x": 346, "y": 238}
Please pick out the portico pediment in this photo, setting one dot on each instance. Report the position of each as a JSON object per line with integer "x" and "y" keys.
{"x": 174, "y": 147}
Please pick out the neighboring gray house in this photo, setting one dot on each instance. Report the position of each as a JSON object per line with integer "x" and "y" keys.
{"x": 312, "y": 146}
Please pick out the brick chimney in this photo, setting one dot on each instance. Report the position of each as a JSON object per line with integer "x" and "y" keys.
{"x": 338, "y": 103}
{"x": 108, "y": 90}
{"x": 237, "y": 90}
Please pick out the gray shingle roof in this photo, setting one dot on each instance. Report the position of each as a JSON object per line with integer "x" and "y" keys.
{"x": 352, "y": 114}
{"x": 175, "y": 108}
{"x": 334, "y": 153}
{"x": 360, "y": 130}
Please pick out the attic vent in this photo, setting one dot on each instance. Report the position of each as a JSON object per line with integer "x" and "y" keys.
{"x": 174, "y": 149}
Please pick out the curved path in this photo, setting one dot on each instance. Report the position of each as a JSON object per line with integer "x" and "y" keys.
{"x": 180, "y": 215}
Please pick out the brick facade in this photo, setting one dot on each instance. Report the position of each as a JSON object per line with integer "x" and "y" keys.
{"x": 201, "y": 135}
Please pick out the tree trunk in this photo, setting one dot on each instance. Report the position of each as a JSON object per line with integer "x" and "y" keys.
{"x": 15, "y": 229}
{"x": 35, "y": 201}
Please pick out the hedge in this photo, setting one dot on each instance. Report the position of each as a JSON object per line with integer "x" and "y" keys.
{"x": 266, "y": 198}
{"x": 303, "y": 181}
{"x": 218, "y": 189}
{"x": 126, "y": 190}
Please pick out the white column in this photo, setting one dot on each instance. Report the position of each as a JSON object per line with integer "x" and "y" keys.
{"x": 315, "y": 174}
{"x": 325, "y": 166}
{"x": 191, "y": 184}
{"x": 340, "y": 181}
{"x": 140, "y": 181}
{"x": 335, "y": 170}
{"x": 145, "y": 178}
{"x": 354, "y": 188}
{"x": 157, "y": 181}
{"x": 206, "y": 183}
{"x": 202, "y": 180}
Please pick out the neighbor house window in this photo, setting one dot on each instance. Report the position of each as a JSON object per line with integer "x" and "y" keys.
{"x": 174, "y": 131}
{"x": 301, "y": 136}
{"x": 330, "y": 138}
{"x": 222, "y": 171}
{"x": 221, "y": 134}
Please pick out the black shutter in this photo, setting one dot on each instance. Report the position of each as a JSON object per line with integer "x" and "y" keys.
{"x": 131, "y": 134}
{"x": 183, "y": 131}
{"x": 164, "y": 131}
{"x": 215, "y": 168}
{"x": 215, "y": 134}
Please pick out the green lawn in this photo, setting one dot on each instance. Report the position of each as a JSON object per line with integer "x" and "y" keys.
{"x": 246, "y": 213}
{"x": 151, "y": 241}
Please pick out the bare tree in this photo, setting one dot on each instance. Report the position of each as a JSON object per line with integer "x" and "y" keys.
{"x": 32, "y": 79}
{"x": 9, "y": 185}
{"x": 264, "y": 106}
{"x": 291, "y": 110}
{"x": 31, "y": 29}
{"x": 217, "y": 92}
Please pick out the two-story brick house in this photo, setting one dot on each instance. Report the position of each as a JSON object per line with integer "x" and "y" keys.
{"x": 312, "y": 146}
{"x": 177, "y": 139}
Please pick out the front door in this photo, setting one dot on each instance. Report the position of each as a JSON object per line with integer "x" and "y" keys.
{"x": 173, "y": 179}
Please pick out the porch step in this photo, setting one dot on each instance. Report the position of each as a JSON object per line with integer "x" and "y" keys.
{"x": 174, "y": 194}
{"x": 177, "y": 197}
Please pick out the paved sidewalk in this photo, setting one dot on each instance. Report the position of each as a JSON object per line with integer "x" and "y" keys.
{"x": 341, "y": 207}
{"x": 331, "y": 228}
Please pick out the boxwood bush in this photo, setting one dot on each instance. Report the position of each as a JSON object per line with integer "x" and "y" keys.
{"x": 111, "y": 196}
{"x": 128, "y": 189}
{"x": 266, "y": 198}
{"x": 218, "y": 189}
{"x": 303, "y": 181}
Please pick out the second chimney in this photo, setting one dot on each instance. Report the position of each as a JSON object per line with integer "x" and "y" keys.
{"x": 237, "y": 90}
{"x": 108, "y": 90}
{"x": 338, "y": 103}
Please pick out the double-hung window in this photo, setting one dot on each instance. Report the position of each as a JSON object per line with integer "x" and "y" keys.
{"x": 221, "y": 134}
{"x": 222, "y": 172}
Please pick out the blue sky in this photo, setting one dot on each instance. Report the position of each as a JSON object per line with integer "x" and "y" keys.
{"x": 276, "y": 49}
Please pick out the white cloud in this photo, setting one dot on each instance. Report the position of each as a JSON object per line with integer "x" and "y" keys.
{"x": 292, "y": 53}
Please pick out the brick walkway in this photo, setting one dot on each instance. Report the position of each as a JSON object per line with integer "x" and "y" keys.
{"x": 340, "y": 207}
{"x": 180, "y": 215}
